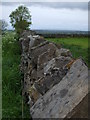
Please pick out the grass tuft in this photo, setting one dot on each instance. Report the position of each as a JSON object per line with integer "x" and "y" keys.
{"x": 11, "y": 78}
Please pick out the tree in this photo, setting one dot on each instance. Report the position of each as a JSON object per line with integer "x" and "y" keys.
{"x": 20, "y": 19}
{"x": 3, "y": 25}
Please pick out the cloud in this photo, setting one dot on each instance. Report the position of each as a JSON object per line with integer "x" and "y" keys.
{"x": 73, "y": 16}
{"x": 66, "y": 5}
{"x": 55, "y": 5}
{"x": 59, "y": 0}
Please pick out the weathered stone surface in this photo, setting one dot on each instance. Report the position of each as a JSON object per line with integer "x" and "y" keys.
{"x": 35, "y": 40}
{"x": 81, "y": 110}
{"x": 65, "y": 52}
{"x": 27, "y": 33}
{"x": 65, "y": 96}
{"x": 35, "y": 53}
{"x": 53, "y": 73}
{"x": 33, "y": 94}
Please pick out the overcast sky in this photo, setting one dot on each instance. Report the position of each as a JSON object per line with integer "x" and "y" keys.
{"x": 52, "y": 15}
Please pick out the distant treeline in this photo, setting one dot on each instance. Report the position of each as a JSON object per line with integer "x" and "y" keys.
{"x": 63, "y": 35}
{"x": 59, "y": 34}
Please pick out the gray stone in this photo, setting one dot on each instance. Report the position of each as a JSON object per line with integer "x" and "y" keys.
{"x": 59, "y": 101}
{"x": 65, "y": 52}
{"x": 35, "y": 40}
{"x": 40, "y": 50}
{"x": 53, "y": 73}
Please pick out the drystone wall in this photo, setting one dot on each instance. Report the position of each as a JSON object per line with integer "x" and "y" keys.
{"x": 55, "y": 84}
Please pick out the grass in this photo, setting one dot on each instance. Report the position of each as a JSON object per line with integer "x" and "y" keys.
{"x": 11, "y": 79}
{"x": 78, "y": 46}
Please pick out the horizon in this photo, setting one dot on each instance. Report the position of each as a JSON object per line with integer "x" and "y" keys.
{"x": 55, "y": 30}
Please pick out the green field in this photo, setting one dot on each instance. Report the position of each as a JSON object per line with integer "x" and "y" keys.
{"x": 11, "y": 79}
{"x": 78, "y": 46}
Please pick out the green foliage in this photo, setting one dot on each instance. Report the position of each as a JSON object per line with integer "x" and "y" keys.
{"x": 20, "y": 19}
{"x": 78, "y": 46}
{"x": 11, "y": 78}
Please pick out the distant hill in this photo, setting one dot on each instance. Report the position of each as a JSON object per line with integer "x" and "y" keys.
{"x": 60, "y": 32}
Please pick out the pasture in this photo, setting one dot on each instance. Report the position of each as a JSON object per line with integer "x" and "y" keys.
{"x": 77, "y": 45}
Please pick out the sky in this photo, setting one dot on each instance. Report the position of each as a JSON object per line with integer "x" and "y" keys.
{"x": 52, "y": 15}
